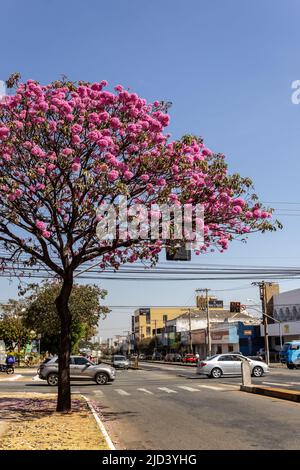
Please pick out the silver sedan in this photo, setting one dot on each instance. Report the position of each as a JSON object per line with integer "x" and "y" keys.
{"x": 80, "y": 368}
{"x": 230, "y": 364}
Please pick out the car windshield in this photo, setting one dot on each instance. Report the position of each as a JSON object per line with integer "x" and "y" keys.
{"x": 119, "y": 358}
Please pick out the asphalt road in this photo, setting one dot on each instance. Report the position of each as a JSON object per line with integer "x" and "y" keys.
{"x": 278, "y": 377}
{"x": 161, "y": 409}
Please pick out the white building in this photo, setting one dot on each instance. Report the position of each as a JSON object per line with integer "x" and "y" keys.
{"x": 286, "y": 311}
{"x": 287, "y": 306}
{"x": 199, "y": 320}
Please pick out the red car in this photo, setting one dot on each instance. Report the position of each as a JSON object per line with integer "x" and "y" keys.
{"x": 190, "y": 358}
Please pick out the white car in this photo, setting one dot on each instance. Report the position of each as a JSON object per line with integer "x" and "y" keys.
{"x": 230, "y": 364}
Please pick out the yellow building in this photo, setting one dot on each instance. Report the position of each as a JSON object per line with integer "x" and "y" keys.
{"x": 148, "y": 321}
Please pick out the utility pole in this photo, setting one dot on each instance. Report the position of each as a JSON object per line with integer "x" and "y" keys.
{"x": 263, "y": 298}
{"x": 190, "y": 332}
{"x": 155, "y": 334}
{"x": 208, "y": 332}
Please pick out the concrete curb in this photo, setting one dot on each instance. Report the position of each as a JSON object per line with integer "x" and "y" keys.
{"x": 281, "y": 393}
{"x": 100, "y": 424}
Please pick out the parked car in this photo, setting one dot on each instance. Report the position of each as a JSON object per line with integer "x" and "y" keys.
{"x": 80, "y": 368}
{"x": 274, "y": 355}
{"x": 190, "y": 359}
{"x": 173, "y": 357}
{"x": 120, "y": 362}
{"x": 230, "y": 364}
{"x": 157, "y": 356}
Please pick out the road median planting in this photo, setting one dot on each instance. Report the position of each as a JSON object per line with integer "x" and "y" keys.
{"x": 281, "y": 393}
{"x": 30, "y": 422}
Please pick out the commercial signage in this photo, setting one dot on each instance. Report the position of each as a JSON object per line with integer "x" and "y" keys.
{"x": 144, "y": 311}
{"x": 214, "y": 303}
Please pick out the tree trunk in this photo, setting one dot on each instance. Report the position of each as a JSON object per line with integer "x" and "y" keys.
{"x": 64, "y": 388}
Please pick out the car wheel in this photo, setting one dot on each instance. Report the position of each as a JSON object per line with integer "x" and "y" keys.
{"x": 290, "y": 366}
{"x": 257, "y": 371}
{"x": 52, "y": 380}
{"x": 101, "y": 378}
{"x": 216, "y": 373}
{"x": 10, "y": 370}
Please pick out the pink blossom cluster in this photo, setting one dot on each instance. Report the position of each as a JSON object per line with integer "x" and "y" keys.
{"x": 65, "y": 148}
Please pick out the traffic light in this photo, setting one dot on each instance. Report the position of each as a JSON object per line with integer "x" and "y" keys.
{"x": 235, "y": 307}
{"x": 178, "y": 254}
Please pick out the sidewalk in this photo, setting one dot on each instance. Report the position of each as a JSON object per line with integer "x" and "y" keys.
{"x": 28, "y": 421}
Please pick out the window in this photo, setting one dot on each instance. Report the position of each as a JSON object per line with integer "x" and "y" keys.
{"x": 236, "y": 358}
{"x": 224, "y": 358}
{"x": 230, "y": 348}
{"x": 80, "y": 361}
{"x": 219, "y": 349}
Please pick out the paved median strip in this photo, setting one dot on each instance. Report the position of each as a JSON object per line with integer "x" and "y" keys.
{"x": 276, "y": 383}
{"x": 281, "y": 393}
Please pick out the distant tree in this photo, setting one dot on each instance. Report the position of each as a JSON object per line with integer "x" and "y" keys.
{"x": 13, "y": 332}
{"x": 41, "y": 315}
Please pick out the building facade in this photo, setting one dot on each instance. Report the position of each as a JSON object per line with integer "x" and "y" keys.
{"x": 191, "y": 329}
{"x": 148, "y": 322}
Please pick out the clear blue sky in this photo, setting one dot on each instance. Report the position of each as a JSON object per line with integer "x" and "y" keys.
{"x": 227, "y": 66}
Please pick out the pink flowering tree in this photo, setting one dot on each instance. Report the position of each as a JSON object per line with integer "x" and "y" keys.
{"x": 66, "y": 148}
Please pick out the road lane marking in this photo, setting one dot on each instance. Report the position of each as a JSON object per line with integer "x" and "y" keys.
{"x": 145, "y": 391}
{"x": 98, "y": 392}
{"x": 189, "y": 389}
{"x": 15, "y": 377}
{"x": 121, "y": 392}
{"x": 276, "y": 383}
{"x": 294, "y": 383}
{"x": 166, "y": 389}
{"x": 211, "y": 387}
{"x": 36, "y": 378}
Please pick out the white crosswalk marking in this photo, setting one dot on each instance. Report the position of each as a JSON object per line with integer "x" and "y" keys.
{"x": 36, "y": 378}
{"x": 166, "y": 389}
{"x": 189, "y": 389}
{"x": 145, "y": 391}
{"x": 294, "y": 383}
{"x": 121, "y": 392}
{"x": 211, "y": 387}
{"x": 11, "y": 378}
{"x": 276, "y": 383}
{"x": 98, "y": 392}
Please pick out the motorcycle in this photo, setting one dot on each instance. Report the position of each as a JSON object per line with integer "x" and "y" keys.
{"x": 9, "y": 369}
